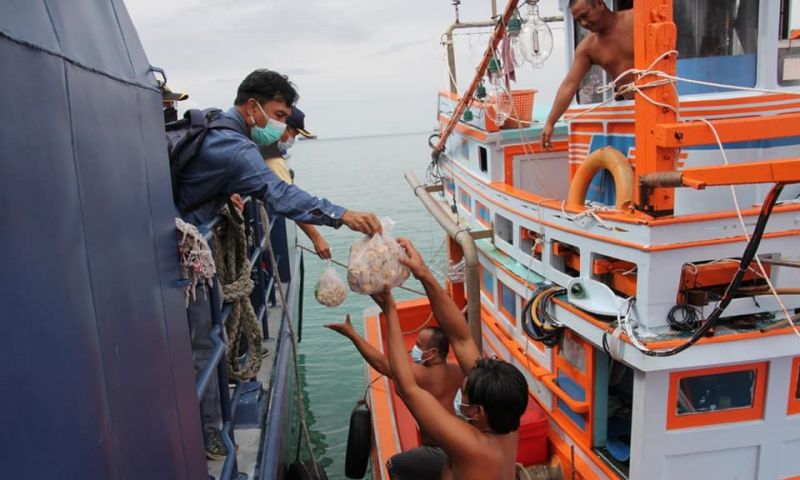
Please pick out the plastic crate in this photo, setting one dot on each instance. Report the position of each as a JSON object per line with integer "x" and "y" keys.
{"x": 523, "y": 109}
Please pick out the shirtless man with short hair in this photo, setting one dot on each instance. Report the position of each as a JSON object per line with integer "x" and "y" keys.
{"x": 431, "y": 372}
{"x": 492, "y": 398}
{"x": 610, "y": 45}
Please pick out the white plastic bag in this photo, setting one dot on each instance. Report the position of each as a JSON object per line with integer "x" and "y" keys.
{"x": 330, "y": 290}
{"x": 375, "y": 262}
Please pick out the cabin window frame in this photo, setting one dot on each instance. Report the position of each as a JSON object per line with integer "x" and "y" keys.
{"x": 487, "y": 290}
{"x": 510, "y": 316}
{"x": 794, "y": 389}
{"x": 480, "y": 207}
{"x": 733, "y": 415}
{"x": 564, "y": 369}
{"x": 465, "y": 199}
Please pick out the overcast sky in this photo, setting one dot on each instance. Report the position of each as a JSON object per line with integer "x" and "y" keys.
{"x": 362, "y": 67}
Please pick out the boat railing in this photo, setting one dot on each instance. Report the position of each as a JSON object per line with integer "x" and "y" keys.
{"x": 263, "y": 294}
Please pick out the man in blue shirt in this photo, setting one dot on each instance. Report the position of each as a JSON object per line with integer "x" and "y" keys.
{"x": 228, "y": 163}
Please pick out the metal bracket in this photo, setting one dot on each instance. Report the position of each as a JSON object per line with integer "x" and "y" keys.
{"x": 479, "y": 234}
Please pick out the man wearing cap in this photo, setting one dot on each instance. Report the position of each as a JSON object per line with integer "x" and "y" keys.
{"x": 276, "y": 155}
{"x": 228, "y": 163}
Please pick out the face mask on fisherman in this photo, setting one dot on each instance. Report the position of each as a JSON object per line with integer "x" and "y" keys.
{"x": 457, "y": 407}
{"x": 268, "y": 134}
{"x": 417, "y": 353}
{"x": 285, "y": 146}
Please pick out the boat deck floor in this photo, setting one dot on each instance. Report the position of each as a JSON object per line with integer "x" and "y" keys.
{"x": 248, "y": 439}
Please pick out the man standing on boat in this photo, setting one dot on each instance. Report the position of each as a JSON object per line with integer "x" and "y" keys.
{"x": 609, "y": 44}
{"x": 228, "y": 163}
{"x": 492, "y": 398}
{"x": 431, "y": 372}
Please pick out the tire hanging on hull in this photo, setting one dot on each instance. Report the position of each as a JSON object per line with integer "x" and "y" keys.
{"x": 359, "y": 441}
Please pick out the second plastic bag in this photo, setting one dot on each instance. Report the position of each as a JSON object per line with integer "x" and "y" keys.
{"x": 330, "y": 290}
{"x": 375, "y": 262}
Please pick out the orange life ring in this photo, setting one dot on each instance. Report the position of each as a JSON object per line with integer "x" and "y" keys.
{"x": 614, "y": 161}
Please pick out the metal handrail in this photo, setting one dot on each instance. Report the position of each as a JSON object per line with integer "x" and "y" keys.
{"x": 264, "y": 283}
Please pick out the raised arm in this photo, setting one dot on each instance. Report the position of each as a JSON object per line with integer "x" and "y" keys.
{"x": 456, "y": 437}
{"x": 450, "y": 318}
{"x": 320, "y": 244}
{"x": 371, "y": 354}
{"x": 569, "y": 86}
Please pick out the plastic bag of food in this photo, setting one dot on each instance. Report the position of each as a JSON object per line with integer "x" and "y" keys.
{"x": 375, "y": 262}
{"x": 330, "y": 290}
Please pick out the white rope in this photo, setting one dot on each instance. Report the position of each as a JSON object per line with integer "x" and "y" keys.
{"x": 589, "y": 212}
{"x": 747, "y": 235}
{"x": 197, "y": 261}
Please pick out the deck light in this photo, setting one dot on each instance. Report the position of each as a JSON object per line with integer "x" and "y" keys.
{"x": 516, "y": 43}
{"x": 499, "y": 95}
{"x": 537, "y": 36}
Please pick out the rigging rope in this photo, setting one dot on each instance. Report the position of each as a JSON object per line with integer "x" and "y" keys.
{"x": 233, "y": 271}
{"x": 286, "y": 317}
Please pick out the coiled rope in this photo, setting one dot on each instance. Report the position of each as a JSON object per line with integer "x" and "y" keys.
{"x": 233, "y": 271}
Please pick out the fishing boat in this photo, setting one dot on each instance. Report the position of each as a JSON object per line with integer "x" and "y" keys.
{"x": 643, "y": 273}
{"x": 98, "y": 375}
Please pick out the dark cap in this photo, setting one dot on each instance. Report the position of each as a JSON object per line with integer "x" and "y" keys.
{"x": 167, "y": 95}
{"x": 297, "y": 120}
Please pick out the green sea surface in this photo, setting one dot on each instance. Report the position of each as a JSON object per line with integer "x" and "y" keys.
{"x": 364, "y": 174}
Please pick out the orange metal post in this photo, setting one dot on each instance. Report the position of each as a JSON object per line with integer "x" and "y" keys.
{"x": 654, "y": 34}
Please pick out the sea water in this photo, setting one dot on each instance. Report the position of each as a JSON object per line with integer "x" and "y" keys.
{"x": 364, "y": 174}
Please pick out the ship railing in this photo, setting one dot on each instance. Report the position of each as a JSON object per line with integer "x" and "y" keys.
{"x": 261, "y": 298}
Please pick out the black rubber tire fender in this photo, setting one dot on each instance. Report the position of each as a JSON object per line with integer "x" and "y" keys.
{"x": 359, "y": 443}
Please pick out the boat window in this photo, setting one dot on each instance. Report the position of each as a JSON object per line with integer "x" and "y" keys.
{"x": 483, "y": 159}
{"x": 715, "y": 392}
{"x": 717, "y": 42}
{"x": 508, "y": 302}
{"x": 789, "y": 51}
{"x": 504, "y": 229}
{"x": 487, "y": 282}
{"x": 794, "y": 388}
{"x": 466, "y": 200}
{"x": 572, "y": 351}
{"x": 484, "y": 216}
{"x": 717, "y": 395}
{"x": 790, "y": 18}
{"x": 450, "y": 186}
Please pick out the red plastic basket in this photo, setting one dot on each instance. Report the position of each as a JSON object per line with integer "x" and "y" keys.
{"x": 523, "y": 109}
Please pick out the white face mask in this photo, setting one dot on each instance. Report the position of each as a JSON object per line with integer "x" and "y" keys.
{"x": 457, "y": 407}
{"x": 417, "y": 354}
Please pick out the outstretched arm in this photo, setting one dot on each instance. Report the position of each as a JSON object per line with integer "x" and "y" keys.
{"x": 320, "y": 244}
{"x": 450, "y": 318}
{"x": 456, "y": 437}
{"x": 371, "y": 354}
{"x": 569, "y": 86}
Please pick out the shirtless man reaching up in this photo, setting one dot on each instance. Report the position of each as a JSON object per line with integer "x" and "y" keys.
{"x": 610, "y": 45}
{"x": 431, "y": 372}
{"x": 492, "y": 398}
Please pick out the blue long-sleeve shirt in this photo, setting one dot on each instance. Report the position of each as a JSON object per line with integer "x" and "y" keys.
{"x": 229, "y": 162}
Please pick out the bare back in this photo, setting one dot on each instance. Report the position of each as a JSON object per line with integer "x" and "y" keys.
{"x": 442, "y": 381}
{"x": 613, "y": 48}
{"x": 497, "y": 461}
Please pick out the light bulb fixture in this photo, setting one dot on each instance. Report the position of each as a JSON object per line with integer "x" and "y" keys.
{"x": 516, "y": 45}
{"x": 537, "y": 36}
{"x": 499, "y": 96}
